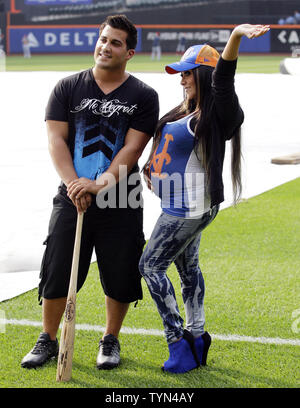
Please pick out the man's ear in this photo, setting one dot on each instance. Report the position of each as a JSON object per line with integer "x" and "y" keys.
{"x": 130, "y": 54}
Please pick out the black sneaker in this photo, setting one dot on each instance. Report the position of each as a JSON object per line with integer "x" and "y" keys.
{"x": 44, "y": 350}
{"x": 109, "y": 353}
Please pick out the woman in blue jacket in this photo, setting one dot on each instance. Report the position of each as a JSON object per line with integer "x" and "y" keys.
{"x": 185, "y": 170}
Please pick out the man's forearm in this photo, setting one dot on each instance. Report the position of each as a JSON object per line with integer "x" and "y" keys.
{"x": 231, "y": 49}
{"x": 121, "y": 165}
{"x": 62, "y": 160}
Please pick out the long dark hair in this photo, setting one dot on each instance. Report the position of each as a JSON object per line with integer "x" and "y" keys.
{"x": 202, "y": 107}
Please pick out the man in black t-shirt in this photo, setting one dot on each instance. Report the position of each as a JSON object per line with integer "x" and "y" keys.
{"x": 98, "y": 122}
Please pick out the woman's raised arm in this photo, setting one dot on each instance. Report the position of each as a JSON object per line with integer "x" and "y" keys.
{"x": 251, "y": 31}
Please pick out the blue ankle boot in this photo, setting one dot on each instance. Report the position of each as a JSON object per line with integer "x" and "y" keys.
{"x": 183, "y": 355}
{"x": 202, "y": 345}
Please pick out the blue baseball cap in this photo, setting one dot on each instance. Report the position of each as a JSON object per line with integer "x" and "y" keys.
{"x": 195, "y": 56}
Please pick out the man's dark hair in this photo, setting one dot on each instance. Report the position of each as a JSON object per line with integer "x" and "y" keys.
{"x": 121, "y": 22}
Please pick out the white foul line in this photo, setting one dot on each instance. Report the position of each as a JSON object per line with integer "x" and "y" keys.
{"x": 153, "y": 332}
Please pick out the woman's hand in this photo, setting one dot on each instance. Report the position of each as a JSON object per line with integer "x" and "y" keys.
{"x": 148, "y": 182}
{"x": 147, "y": 179}
{"x": 251, "y": 30}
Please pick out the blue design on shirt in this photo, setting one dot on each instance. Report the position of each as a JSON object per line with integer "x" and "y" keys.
{"x": 95, "y": 147}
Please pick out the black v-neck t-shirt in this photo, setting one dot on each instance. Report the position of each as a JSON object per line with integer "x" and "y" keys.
{"x": 98, "y": 122}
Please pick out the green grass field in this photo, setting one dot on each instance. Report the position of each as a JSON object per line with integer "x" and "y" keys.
{"x": 250, "y": 260}
{"x": 140, "y": 63}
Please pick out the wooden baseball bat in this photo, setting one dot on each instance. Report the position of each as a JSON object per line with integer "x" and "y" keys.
{"x": 66, "y": 347}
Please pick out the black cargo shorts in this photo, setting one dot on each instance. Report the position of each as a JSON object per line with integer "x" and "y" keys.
{"x": 118, "y": 239}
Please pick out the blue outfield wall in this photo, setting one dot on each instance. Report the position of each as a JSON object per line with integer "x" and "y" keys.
{"x": 47, "y": 40}
{"x": 57, "y": 40}
{"x": 258, "y": 45}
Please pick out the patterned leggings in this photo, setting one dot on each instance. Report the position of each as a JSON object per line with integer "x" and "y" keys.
{"x": 177, "y": 240}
